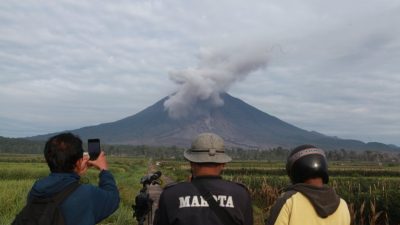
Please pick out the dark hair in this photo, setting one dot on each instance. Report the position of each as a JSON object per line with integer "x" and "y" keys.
{"x": 309, "y": 162}
{"x": 62, "y": 152}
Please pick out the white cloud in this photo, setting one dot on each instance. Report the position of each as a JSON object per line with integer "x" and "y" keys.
{"x": 333, "y": 66}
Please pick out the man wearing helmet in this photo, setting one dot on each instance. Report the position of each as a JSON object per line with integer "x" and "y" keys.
{"x": 309, "y": 200}
{"x": 207, "y": 198}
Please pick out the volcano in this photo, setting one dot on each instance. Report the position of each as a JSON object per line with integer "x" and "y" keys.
{"x": 238, "y": 123}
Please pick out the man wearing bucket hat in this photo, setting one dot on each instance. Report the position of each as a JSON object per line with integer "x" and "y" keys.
{"x": 207, "y": 198}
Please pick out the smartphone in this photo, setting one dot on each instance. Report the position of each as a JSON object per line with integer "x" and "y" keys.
{"x": 94, "y": 148}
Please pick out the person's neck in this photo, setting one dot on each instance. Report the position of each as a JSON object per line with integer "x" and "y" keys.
{"x": 204, "y": 170}
{"x": 200, "y": 174}
{"x": 315, "y": 182}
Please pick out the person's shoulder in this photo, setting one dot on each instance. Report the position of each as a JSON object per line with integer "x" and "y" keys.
{"x": 342, "y": 202}
{"x": 175, "y": 189}
{"x": 238, "y": 185}
{"x": 170, "y": 185}
{"x": 174, "y": 185}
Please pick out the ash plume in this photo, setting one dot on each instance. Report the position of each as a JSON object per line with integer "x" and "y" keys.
{"x": 215, "y": 73}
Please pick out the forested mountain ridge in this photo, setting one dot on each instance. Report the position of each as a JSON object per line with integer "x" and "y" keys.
{"x": 20, "y": 145}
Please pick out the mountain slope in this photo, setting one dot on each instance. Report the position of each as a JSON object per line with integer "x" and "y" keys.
{"x": 240, "y": 124}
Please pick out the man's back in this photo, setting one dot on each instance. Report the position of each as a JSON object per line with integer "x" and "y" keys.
{"x": 182, "y": 203}
{"x": 88, "y": 204}
{"x": 298, "y": 210}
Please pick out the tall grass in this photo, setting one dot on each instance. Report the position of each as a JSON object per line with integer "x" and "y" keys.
{"x": 13, "y": 195}
{"x": 372, "y": 199}
{"x": 17, "y": 177}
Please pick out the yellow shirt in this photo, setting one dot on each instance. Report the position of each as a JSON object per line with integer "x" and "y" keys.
{"x": 298, "y": 210}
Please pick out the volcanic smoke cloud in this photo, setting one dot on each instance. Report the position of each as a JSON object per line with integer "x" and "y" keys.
{"x": 216, "y": 72}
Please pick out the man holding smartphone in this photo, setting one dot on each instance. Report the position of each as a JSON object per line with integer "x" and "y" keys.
{"x": 87, "y": 204}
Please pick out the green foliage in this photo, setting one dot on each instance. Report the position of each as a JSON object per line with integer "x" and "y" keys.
{"x": 372, "y": 187}
{"x": 23, "y": 171}
{"x": 17, "y": 177}
{"x": 20, "y": 145}
{"x": 13, "y": 195}
{"x": 392, "y": 207}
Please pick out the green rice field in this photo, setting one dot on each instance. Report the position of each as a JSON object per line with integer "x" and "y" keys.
{"x": 371, "y": 190}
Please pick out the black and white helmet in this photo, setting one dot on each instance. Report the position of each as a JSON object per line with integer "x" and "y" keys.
{"x": 305, "y": 162}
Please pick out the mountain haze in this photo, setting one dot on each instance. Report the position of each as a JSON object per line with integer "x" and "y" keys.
{"x": 240, "y": 124}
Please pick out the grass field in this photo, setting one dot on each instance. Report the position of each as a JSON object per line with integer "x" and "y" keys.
{"x": 18, "y": 173}
{"x": 372, "y": 190}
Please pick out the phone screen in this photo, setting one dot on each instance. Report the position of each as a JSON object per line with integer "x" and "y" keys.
{"x": 94, "y": 148}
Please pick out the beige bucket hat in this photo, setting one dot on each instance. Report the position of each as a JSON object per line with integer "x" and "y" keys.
{"x": 207, "y": 148}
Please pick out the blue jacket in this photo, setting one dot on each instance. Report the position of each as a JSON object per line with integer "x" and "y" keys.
{"x": 88, "y": 204}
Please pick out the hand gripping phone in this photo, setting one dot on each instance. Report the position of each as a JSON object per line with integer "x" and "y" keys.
{"x": 94, "y": 148}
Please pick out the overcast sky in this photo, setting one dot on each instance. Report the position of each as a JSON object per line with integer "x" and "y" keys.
{"x": 331, "y": 66}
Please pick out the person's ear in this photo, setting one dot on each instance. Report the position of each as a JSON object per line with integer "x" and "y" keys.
{"x": 81, "y": 166}
{"x": 78, "y": 165}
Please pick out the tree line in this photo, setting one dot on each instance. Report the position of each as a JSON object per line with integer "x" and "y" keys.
{"x": 24, "y": 146}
